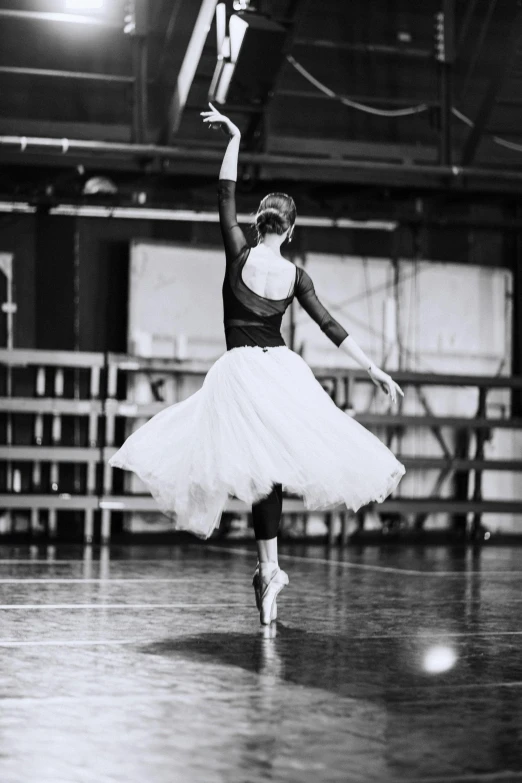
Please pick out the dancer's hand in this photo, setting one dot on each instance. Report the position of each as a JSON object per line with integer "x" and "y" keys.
{"x": 217, "y": 120}
{"x": 385, "y": 381}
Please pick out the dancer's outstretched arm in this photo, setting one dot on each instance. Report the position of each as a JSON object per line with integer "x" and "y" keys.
{"x": 229, "y": 165}
{"x": 378, "y": 376}
{"x": 308, "y": 299}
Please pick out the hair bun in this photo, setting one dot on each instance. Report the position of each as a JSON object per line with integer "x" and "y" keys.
{"x": 276, "y": 214}
{"x": 270, "y": 220}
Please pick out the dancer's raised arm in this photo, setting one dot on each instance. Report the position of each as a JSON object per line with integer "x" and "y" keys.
{"x": 229, "y": 165}
{"x": 233, "y": 238}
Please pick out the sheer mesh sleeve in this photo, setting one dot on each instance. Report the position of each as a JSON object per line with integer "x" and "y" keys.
{"x": 307, "y": 298}
{"x": 233, "y": 237}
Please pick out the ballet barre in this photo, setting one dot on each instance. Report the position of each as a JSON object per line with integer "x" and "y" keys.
{"x": 90, "y": 390}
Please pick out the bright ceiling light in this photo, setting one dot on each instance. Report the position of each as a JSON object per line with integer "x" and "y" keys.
{"x": 221, "y": 26}
{"x": 84, "y": 5}
{"x": 224, "y": 82}
{"x": 238, "y": 27}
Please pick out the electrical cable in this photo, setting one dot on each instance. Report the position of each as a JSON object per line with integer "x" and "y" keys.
{"x": 510, "y": 145}
{"x": 407, "y": 112}
{"x": 354, "y": 104}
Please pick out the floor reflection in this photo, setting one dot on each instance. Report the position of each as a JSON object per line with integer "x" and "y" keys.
{"x": 387, "y": 664}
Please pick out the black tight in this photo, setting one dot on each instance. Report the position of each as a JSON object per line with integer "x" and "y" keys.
{"x": 266, "y": 514}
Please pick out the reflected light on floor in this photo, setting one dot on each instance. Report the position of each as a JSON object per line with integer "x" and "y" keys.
{"x": 439, "y": 659}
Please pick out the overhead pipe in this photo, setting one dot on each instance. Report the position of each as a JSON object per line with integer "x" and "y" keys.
{"x": 389, "y": 224}
{"x": 454, "y": 174}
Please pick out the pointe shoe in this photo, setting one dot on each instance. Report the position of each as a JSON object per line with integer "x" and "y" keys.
{"x": 270, "y": 585}
{"x": 256, "y": 581}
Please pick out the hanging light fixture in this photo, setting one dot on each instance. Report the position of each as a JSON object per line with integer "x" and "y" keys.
{"x": 252, "y": 38}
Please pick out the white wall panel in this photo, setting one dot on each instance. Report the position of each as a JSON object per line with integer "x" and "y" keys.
{"x": 175, "y": 292}
{"x": 445, "y": 318}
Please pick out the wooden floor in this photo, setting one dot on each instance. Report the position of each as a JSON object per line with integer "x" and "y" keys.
{"x": 148, "y": 665}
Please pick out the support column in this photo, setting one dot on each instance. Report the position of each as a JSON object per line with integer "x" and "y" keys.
{"x": 514, "y": 253}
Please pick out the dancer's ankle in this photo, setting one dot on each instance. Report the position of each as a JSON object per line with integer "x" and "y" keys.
{"x": 268, "y": 566}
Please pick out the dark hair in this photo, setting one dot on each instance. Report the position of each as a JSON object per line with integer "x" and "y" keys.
{"x": 276, "y": 214}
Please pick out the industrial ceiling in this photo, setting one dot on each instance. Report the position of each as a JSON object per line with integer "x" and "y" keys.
{"x": 362, "y": 93}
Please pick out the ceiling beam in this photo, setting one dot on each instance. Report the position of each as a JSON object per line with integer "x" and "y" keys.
{"x": 366, "y": 48}
{"x": 496, "y": 82}
{"x": 490, "y": 8}
{"x": 340, "y": 148}
{"x": 167, "y": 42}
{"x": 272, "y": 166}
{"x": 466, "y": 22}
{"x": 189, "y": 66}
{"x": 69, "y": 130}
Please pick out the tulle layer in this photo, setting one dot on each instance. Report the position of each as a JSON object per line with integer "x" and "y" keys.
{"x": 260, "y": 418}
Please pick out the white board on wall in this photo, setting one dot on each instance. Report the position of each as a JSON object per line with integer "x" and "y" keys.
{"x": 453, "y": 318}
{"x": 175, "y": 298}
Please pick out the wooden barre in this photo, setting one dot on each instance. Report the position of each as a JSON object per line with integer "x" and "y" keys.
{"x": 51, "y": 405}
{"x": 464, "y": 422}
{"x": 64, "y": 406}
{"x": 296, "y": 505}
{"x": 26, "y": 357}
{"x": 77, "y": 454}
{"x": 194, "y": 367}
{"x": 62, "y": 501}
{"x": 290, "y": 505}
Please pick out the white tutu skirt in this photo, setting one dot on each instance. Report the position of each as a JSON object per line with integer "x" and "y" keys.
{"x": 260, "y": 418}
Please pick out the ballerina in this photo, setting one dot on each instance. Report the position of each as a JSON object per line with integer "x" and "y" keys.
{"x": 261, "y": 421}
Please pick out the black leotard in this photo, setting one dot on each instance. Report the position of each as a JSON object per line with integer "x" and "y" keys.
{"x": 251, "y": 319}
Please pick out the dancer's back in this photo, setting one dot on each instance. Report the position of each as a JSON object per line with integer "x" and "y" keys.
{"x": 252, "y": 318}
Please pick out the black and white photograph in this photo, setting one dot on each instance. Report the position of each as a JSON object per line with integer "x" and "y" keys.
{"x": 260, "y": 391}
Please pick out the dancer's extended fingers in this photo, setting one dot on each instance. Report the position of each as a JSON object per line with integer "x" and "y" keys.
{"x": 396, "y": 388}
{"x": 387, "y": 386}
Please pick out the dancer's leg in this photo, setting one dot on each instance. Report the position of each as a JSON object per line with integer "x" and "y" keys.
{"x": 266, "y": 516}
